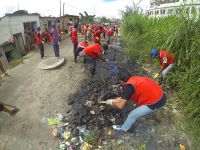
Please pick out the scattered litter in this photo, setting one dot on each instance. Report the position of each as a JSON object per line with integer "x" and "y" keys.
{"x": 53, "y": 121}
{"x": 44, "y": 120}
{"x": 66, "y": 135}
{"x": 60, "y": 116}
{"x": 92, "y": 112}
{"x": 86, "y": 146}
{"x": 182, "y": 147}
{"x": 54, "y": 133}
{"x": 88, "y": 126}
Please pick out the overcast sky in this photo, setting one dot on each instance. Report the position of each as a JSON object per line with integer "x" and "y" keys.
{"x": 108, "y": 8}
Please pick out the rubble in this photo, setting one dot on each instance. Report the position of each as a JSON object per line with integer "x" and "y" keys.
{"x": 88, "y": 125}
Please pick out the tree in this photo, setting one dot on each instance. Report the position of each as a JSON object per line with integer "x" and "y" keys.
{"x": 105, "y": 20}
{"x": 86, "y": 18}
{"x": 135, "y": 8}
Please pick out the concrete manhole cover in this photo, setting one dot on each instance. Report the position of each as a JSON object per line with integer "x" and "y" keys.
{"x": 51, "y": 62}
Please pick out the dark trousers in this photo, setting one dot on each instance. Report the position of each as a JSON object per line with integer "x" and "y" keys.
{"x": 75, "y": 46}
{"x": 1, "y": 107}
{"x": 56, "y": 50}
{"x": 41, "y": 47}
{"x": 77, "y": 51}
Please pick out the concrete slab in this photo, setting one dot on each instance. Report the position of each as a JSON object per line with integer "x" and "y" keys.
{"x": 51, "y": 62}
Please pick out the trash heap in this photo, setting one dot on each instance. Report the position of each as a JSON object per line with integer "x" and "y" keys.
{"x": 88, "y": 125}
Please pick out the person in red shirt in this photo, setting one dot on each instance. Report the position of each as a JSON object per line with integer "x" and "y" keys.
{"x": 92, "y": 53}
{"x": 74, "y": 37}
{"x": 97, "y": 35}
{"x": 81, "y": 46}
{"x": 144, "y": 92}
{"x": 40, "y": 42}
{"x": 46, "y": 35}
{"x": 166, "y": 63}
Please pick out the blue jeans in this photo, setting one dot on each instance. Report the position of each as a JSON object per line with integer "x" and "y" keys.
{"x": 135, "y": 114}
{"x": 56, "y": 49}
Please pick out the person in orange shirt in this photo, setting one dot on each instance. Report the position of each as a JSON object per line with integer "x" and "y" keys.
{"x": 146, "y": 93}
{"x": 74, "y": 37}
{"x": 40, "y": 42}
{"x": 81, "y": 46}
{"x": 97, "y": 35}
{"x": 166, "y": 60}
{"x": 92, "y": 53}
{"x": 46, "y": 35}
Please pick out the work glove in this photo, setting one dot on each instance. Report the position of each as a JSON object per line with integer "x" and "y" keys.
{"x": 156, "y": 76}
{"x": 109, "y": 102}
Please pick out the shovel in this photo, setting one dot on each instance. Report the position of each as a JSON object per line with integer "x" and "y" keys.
{"x": 103, "y": 102}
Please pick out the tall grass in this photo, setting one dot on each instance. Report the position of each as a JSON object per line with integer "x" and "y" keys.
{"x": 180, "y": 35}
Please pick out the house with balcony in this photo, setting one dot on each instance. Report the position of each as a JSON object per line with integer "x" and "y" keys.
{"x": 162, "y": 8}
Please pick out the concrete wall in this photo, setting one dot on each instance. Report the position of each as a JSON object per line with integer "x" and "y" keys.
{"x": 44, "y": 22}
{"x": 4, "y": 30}
{"x": 10, "y": 25}
{"x": 3, "y": 58}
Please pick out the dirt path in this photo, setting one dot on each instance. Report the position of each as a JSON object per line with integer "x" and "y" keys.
{"x": 39, "y": 94}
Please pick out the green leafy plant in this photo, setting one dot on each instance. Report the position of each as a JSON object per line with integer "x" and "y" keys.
{"x": 179, "y": 34}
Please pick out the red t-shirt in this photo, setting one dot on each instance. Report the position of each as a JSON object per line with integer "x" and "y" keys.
{"x": 166, "y": 55}
{"x": 108, "y": 33}
{"x": 97, "y": 36}
{"x": 104, "y": 30}
{"x": 82, "y": 44}
{"x": 93, "y": 51}
{"x": 39, "y": 38}
{"x": 146, "y": 92}
{"x": 74, "y": 36}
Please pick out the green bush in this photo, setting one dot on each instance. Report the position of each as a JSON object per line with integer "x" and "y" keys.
{"x": 180, "y": 35}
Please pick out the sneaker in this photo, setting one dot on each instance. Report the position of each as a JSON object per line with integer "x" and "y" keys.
{"x": 118, "y": 127}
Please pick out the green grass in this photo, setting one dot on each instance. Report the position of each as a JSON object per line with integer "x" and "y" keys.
{"x": 14, "y": 63}
{"x": 181, "y": 36}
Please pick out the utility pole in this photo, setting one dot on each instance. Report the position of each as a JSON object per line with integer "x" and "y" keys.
{"x": 63, "y": 15}
{"x": 60, "y": 13}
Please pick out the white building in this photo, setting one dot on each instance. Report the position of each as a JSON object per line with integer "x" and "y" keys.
{"x": 161, "y": 8}
{"x": 12, "y": 26}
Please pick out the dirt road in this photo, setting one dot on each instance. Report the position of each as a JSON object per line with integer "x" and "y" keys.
{"x": 39, "y": 94}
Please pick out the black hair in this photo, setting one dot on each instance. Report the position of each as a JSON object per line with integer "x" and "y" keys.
{"x": 124, "y": 75}
{"x": 76, "y": 25}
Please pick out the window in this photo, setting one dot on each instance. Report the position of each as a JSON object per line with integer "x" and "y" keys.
{"x": 162, "y": 11}
{"x": 157, "y": 12}
{"x": 170, "y": 11}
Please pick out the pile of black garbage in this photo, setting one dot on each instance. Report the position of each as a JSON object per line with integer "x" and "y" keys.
{"x": 86, "y": 109}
